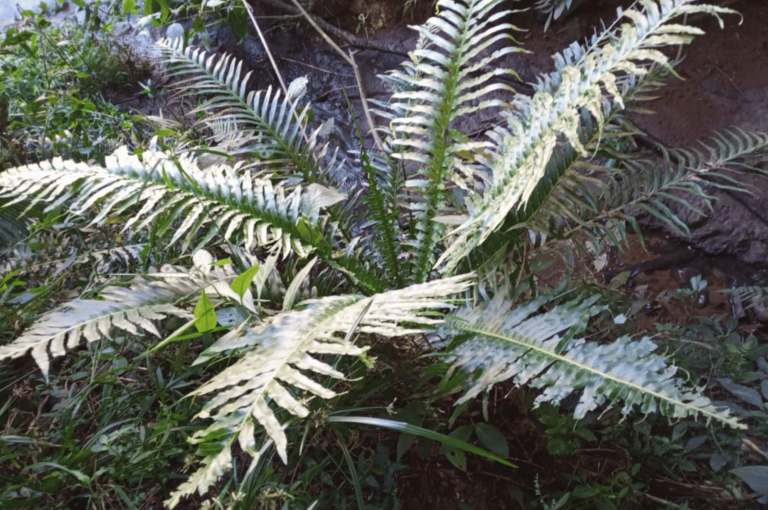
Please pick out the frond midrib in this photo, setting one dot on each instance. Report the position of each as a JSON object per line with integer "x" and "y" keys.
{"x": 564, "y": 360}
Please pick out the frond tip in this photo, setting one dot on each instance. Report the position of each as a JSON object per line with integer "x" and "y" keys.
{"x": 129, "y": 309}
{"x": 585, "y": 80}
{"x": 528, "y": 348}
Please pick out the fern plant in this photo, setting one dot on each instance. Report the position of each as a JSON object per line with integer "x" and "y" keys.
{"x": 554, "y": 9}
{"x": 442, "y": 224}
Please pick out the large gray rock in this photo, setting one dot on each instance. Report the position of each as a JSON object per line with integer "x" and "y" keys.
{"x": 737, "y": 226}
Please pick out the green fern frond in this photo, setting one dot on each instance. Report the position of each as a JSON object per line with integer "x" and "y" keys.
{"x": 443, "y": 91}
{"x": 654, "y": 187}
{"x": 129, "y": 309}
{"x": 214, "y": 201}
{"x": 281, "y": 354}
{"x": 265, "y": 122}
{"x": 540, "y": 349}
{"x": 749, "y": 292}
{"x": 752, "y": 297}
{"x": 726, "y": 149}
{"x": 382, "y": 199}
{"x": 585, "y": 78}
{"x": 13, "y": 227}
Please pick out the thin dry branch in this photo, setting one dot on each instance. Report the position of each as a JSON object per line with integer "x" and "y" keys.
{"x": 351, "y": 39}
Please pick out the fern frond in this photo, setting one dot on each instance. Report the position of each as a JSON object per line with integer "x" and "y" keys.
{"x": 214, "y": 467}
{"x": 443, "y": 91}
{"x": 567, "y": 176}
{"x": 585, "y": 78}
{"x": 101, "y": 261}
{"x": 540, "y": 350}
{"x": 128, "y": 309}
{"x": 264, "y": 122}
{"x": 384, "y": 186}
{"x": 213, "y": 201}
{"x": 749, "y": 292}
{"x": 752, "y": 297}
{"x": 282, "y": 354}
{"x": 13, "y": 227}
{"x": 553, "y": 8}
{"x": 654, "y": 187}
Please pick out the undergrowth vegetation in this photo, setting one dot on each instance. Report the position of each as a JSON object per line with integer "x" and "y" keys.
{"x": 221, "y": 324}
{"x": 54, "y": 79}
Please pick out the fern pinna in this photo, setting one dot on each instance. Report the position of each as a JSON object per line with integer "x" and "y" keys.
{"x": 439, "y": 203}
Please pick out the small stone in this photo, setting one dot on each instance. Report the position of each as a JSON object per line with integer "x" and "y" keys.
{"x": 683, "y": 275}
{"x": 703, "y": 298}
{"x": 175, "y": 31}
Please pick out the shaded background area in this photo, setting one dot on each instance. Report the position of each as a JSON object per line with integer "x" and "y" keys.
{"x": 10, "y": 8}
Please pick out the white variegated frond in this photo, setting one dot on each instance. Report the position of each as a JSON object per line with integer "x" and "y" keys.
{"x": 554, "y": 9}
{"x": 435, "y": 91}
{"x": 281, "y": 357}
{"x": 585, "y": 78}
{"x": 131, "y": 309}
{"x": 175, "y": 195}
{"x": 540, "y": 350}
{"x": 213, "y": 467}
{"x": 100, "y": 261}
{"x": 266, "y": 122}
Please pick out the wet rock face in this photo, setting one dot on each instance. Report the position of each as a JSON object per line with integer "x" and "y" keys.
{"x": 737, "y": 226}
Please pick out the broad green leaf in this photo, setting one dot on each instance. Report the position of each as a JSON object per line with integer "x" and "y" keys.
{"x": 754, "y": 476}
{"x": 205, "y": 313}
{"x": 694, "y": 443}
{"x": 745, "y": 393}
{"x": 718, "y": 461}
{"x": 455, "y": 455}
{"x": 243, "y": 281}
{"x": 403, "y": 443}
{"x": 492, "y": 439}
